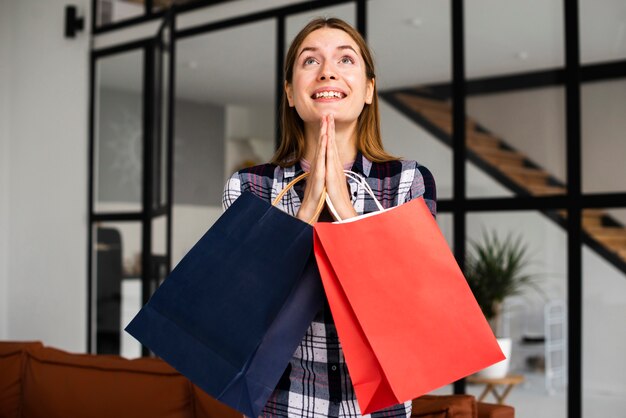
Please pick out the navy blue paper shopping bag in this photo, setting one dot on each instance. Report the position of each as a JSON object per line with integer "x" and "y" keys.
{"x": 268, "y": 363}
{"x": 232, "y": 312}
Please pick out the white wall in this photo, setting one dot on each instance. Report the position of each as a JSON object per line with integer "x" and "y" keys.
{"x": 44, "y": 151}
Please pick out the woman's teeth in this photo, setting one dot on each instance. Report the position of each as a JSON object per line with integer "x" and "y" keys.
{"x": 328, "y": 94}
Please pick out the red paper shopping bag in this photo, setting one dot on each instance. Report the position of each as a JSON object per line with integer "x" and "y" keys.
{"x": 406, "y": 317}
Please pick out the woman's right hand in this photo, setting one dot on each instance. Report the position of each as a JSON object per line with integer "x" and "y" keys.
{"x": 315, "y": 182}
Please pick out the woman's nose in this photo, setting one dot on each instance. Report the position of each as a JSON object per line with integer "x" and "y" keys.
{"x": 327, "y": 73}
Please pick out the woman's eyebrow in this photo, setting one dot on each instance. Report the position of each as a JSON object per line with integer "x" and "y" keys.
{"x": 347, "y": 47}
{"x": 308, "y": 48}
{"x": 313, "y": 49}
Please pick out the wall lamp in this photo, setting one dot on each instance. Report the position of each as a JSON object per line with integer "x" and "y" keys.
{"x": 73, "y": 23}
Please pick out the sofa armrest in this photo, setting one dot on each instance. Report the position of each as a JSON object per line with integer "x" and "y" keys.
{"x": 490, "y": 410}
{"x": 444, "y": 406}
{"x": 12, "y": 363}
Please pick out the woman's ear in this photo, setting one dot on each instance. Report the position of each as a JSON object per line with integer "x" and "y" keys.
{"x": 369, "y": 90}
{"x": 289, "y": 93}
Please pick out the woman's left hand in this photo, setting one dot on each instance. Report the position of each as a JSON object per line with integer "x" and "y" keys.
{"x": 336, "y": 184}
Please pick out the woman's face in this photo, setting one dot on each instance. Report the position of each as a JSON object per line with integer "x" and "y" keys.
{"x": 329, "y": 78}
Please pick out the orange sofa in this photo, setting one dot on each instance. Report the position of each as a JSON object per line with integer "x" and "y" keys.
{"x": 38, "y": 382}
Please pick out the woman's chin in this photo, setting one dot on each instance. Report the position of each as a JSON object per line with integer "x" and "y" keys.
{"x": 340, "y": 117}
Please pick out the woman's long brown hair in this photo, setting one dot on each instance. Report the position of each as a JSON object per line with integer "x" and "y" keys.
{"x": 369, "y": 142}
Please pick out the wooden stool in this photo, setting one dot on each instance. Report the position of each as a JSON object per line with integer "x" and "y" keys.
{"x": 491, "y": 385}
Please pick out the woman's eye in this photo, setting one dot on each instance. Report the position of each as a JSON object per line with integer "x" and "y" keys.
{"x": 309, "y": 61}
{"x": 347, "y": 60}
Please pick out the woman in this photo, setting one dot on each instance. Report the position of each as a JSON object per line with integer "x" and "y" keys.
{"x": 330, "y": 123}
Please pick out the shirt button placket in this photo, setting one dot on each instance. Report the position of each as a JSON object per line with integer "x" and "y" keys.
{"x": 334, "y": 376}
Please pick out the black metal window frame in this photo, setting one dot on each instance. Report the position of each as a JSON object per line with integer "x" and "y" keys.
{"x": 572, "y": 76}
{"x": 151, "y": 265}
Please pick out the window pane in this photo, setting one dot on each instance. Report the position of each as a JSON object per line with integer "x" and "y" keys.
{"x": 118, "y": 146}
{"x": 535, "y": 319}
{"x": 518, "y": 144}
{"x": 411, "y": 46}
{"x": 116, "y": 285}
{"x": 602, "y": 32}
{"x": 515, "y": 138}
{"x": 512, "y": 37}
{"x": 604, "y": 310}
{"x": 603, "y": 146}
{"x": 224, "y": 120}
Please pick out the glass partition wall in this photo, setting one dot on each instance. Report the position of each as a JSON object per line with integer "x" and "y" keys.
{"x": 515, "y": 107}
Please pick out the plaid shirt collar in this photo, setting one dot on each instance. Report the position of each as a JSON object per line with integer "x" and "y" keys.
{"x": 361, "y": 166}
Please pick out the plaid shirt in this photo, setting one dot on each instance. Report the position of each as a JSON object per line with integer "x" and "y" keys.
{"x": 316, "y": 383}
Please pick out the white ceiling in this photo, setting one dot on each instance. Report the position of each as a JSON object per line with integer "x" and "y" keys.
{"x": 410, "y": 40}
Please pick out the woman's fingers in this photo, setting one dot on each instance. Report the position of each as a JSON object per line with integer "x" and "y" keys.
{"x": 336, "y": 185}
{"x": 317, "y": 176}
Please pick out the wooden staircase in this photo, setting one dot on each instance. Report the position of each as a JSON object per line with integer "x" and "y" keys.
{"x": 511, "y": 168}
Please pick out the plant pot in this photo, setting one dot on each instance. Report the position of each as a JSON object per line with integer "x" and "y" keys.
{"x": 500, "y": 369}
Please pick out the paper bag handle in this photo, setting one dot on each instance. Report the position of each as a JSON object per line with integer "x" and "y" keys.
{"x": 320, "y": 204}
{"x": 360, "y": 181}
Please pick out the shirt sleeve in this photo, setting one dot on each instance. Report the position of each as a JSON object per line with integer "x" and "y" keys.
{"x": 232, "y": 190}
{"x": 424, "y": 185}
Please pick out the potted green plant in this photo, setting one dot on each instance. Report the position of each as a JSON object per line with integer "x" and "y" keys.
{"x": 495, "y": 269}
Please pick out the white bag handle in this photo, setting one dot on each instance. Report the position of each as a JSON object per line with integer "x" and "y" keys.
{"x": 360, "y": 181}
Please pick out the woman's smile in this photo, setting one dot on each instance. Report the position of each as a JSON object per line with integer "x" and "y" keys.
{"x": 328, "y": 94}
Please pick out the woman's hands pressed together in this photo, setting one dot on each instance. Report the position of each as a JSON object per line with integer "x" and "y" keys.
{"x": 326, "y": 171}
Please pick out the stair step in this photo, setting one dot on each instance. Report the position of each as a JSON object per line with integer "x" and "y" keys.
{"x": 618, "y": 248}
{"x": 417, "y": 103}
{"x": 527, "y": 172}
{"x": 614, "y": 242}
{"x": 444, "y": 120}
{"x": 608, "y": 231}
{"x": 528, "y": 180}
{"x": 592, "y": 218}
{"x": 593, "y": 212}
{"x": 544, "y": 190}
{"x": 622, "y": 254}
{"x": 482, "y": 139}
{"x": 499, "y": 156}
{"x": 586, "y": 213}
